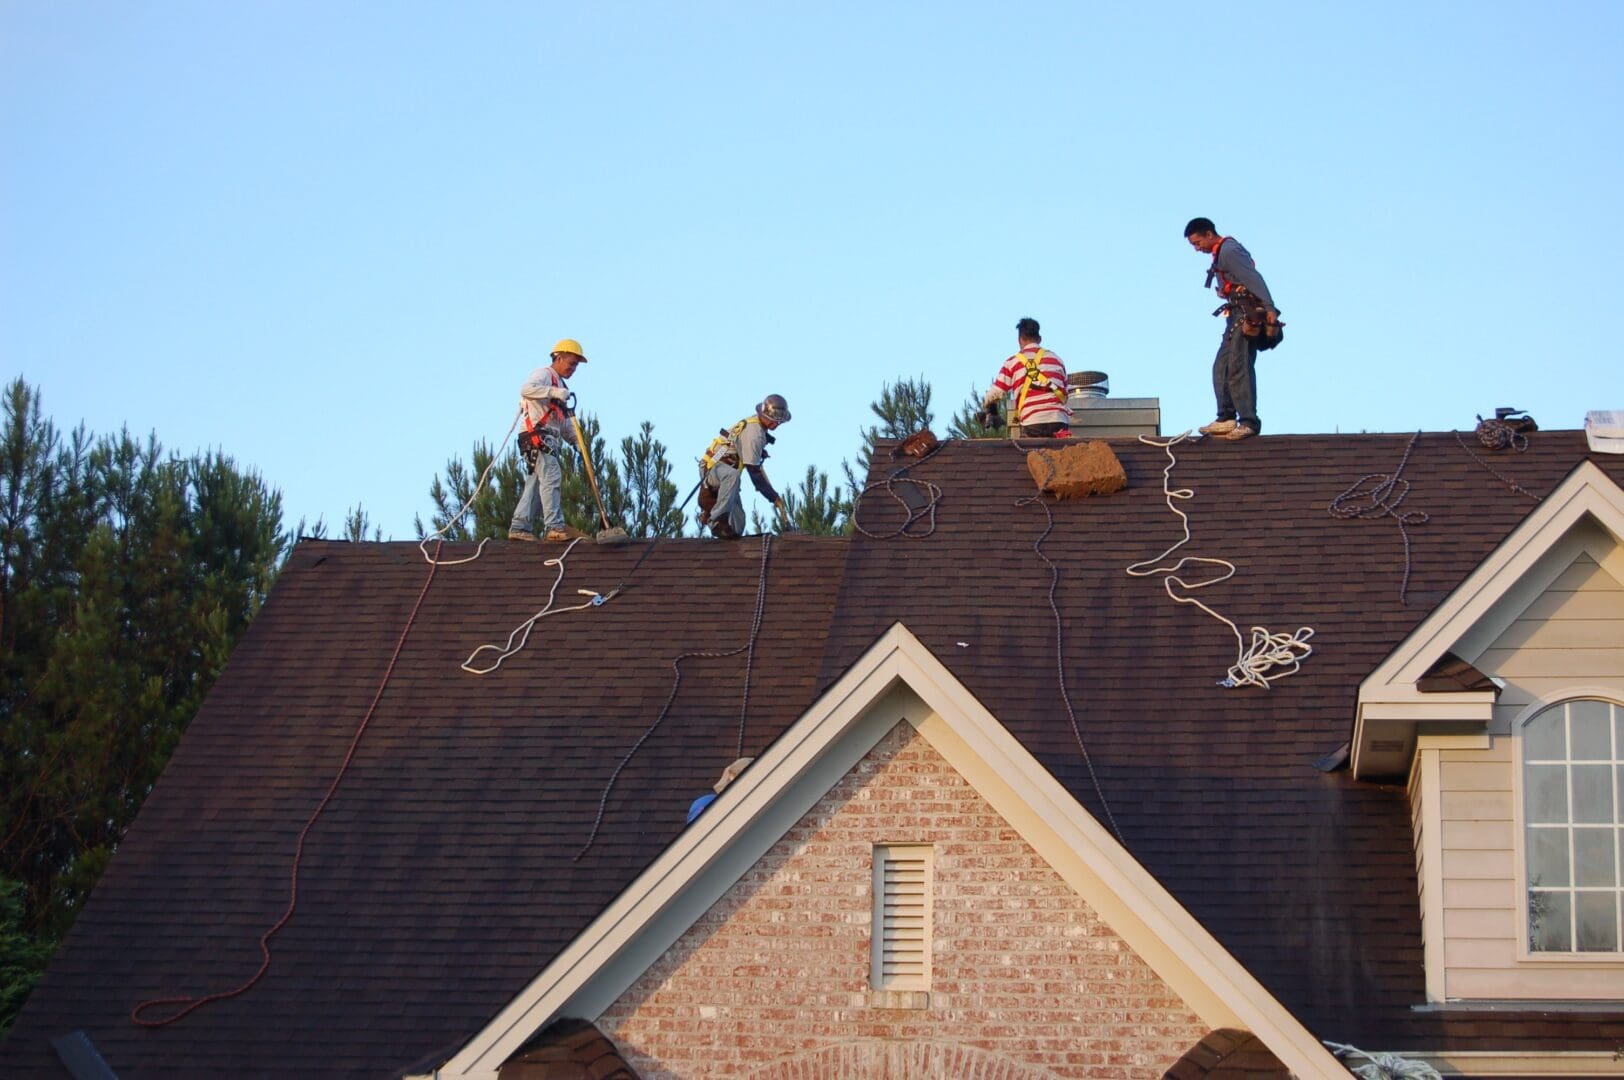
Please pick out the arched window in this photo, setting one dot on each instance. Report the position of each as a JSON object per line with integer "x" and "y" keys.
{"x": 1573, "y": 780}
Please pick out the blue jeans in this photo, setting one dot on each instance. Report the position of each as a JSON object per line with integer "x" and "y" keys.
{"x": 1234, "y": 377}
{"x": 725, "y": 479}
{"x": 543, "y": 491}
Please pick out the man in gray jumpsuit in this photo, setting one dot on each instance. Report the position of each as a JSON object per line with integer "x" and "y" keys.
{"x": 743, "y": 446}
{"x": 1234, "y": 277}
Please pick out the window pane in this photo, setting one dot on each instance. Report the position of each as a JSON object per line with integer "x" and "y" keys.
{"x": 1590, "y": 725}
{"x": 1548, "y": 857}
{"x": 1550, "y": 921}
{"x": 1593, "y": 794}
{"x": 1546, "y": 739}
{"x": 1548, "y": 794}
{"x": 1593, "y": 857}
{"x": 1598, "y": 921}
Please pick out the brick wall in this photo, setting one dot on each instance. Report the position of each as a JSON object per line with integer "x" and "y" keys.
{"x": 1027, "y": 982}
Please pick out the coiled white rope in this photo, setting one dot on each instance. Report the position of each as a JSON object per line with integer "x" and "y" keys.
{"x": 521, "y": 633}
{"x": 1384, "y": 1066}
{"x": 440, "y": 533}
{"x": 1267, "y": 652}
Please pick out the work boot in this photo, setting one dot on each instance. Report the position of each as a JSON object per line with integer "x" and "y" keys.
{"x": 521, "y": 534}
{"x": 723, "y": 530}
{"x": 564, "y": 533}
{"x": 1239, "y": 432}
{"x": 1218, "y": 427}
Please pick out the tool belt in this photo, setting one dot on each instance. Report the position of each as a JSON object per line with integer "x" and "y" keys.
{"x": 534, "y": 442}
{"x": 1253, "y": 317}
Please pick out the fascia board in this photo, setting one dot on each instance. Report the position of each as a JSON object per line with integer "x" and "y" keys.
{"x": 1418, "y": 708}
{"x": 960, "y": 728}
{"x": 1586, "y": 489}
{"x": 1485, "y": 1063}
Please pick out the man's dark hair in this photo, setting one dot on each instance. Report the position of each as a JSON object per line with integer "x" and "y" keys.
{"x": 1028, "y": 329}
{"x": 1199, "y": 225}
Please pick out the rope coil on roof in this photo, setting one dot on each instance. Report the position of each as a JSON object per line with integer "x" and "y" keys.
{"x": 1380, "y": 495}
{"x": 748, "y": 648}
{"x": 1267, "y": 651}
{"x": 926, "y": 513}
{"x": 1384, "y": 1066}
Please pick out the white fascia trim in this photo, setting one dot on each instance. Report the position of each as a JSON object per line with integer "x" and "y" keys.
{"x": 1585, "y": 490}
{"x": 993, "y": 760}
{"x": 1536, "y": 1063}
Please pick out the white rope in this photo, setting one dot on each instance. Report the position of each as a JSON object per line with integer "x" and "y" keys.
{"x": 1267, "y": 651}
{"x": 1385, "y": 1066}
{"x": 522, "y": 631}
{"x": 496, "y": 455}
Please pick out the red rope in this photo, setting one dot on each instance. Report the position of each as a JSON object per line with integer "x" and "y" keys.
{"x": 192, "y": 1004}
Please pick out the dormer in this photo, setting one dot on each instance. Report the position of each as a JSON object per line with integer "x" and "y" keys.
{"x": 1504, "y": 712}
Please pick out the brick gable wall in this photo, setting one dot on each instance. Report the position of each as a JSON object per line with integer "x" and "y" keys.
{"x": 1027, "y": 981}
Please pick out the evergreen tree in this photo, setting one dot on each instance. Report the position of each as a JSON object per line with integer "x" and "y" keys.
{"x": 966, "y": 426}
{"x": 813, "y": 508}
{"x": 902, "y": 409}
{"x": 651, "y": 495}
{"x": 22, "y": 955}
{"x": 126, "y": 576}
{"x": 492, "y": 508}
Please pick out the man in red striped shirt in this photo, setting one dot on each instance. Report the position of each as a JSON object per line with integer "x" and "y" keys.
{"x": 1037, "y": 379}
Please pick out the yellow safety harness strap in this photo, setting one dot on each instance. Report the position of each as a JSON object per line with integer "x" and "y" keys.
{"x": 1034, "y": 375}
{"x": 729, "y": 438}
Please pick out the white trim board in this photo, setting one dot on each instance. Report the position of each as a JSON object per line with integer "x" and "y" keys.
{"x": 1389, "y": 702}
{"x": 896, "y": 679}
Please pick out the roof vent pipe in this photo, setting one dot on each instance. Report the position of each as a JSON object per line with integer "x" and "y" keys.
{"x": 1092, "y": 384}
{"x": 1096, "y": 415}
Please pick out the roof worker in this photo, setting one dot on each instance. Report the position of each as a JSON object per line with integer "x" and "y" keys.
{"x": 742, "y": 446}
{"x": 546, "y": 433}
{"x": 1251, "y": 322}
{"x": 729, "y": 774}
{"x": 1037, "y": 378}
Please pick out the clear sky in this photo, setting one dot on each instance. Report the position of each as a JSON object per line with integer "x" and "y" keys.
{"x": 332, "y": 238}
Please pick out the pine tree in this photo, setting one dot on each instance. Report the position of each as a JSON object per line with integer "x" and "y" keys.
{"x": 902, "y": 409}
{"x": 651, "y": 495}
{"x": 126, "y": 576}
{"x": 966, "y": 426}
{"x": 813, "y": 508}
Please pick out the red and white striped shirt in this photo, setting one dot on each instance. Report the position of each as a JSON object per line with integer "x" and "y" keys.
{"x": 1041, "y": 405}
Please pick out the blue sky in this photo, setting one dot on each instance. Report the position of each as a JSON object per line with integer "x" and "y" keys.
{"x": 333, "y": 238}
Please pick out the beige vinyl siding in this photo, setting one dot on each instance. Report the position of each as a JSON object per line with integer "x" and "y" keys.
{"x": 1571, "y": 636}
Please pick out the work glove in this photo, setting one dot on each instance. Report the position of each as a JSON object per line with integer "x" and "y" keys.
{"x": 557, "y": 393}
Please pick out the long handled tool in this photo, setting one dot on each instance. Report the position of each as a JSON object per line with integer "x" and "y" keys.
{"x": 609, "y": 534}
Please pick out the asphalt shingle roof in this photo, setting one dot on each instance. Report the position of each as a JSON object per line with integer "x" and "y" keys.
{"x": 443, "y": 875}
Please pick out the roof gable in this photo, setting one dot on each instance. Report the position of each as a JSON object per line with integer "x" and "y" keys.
{"x": 897, "y": 678}
{"x": 1501, "y": 586}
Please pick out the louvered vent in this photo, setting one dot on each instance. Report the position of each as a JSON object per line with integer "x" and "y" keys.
{"x": 900, "y": 956}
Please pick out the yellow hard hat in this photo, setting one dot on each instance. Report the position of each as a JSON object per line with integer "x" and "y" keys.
{"x": 569, "y": 345}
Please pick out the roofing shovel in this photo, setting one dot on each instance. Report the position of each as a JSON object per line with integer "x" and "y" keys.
{"x": 609, "y": 534}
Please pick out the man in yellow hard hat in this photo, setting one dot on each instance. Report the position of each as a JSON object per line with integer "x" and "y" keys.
{"x": 546, "y": 432}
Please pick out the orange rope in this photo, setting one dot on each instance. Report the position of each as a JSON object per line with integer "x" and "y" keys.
{"x": 192, "y": 1004}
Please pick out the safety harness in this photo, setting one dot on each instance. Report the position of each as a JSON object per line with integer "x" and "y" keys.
{"x": 1035, "y": 377}
{"x": 535, "y": 440}
{"x": 1225, "y": 286}
{"x": 725, "y": 447}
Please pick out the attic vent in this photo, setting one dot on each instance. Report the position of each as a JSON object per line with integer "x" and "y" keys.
{"x": 900, "y": 953}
